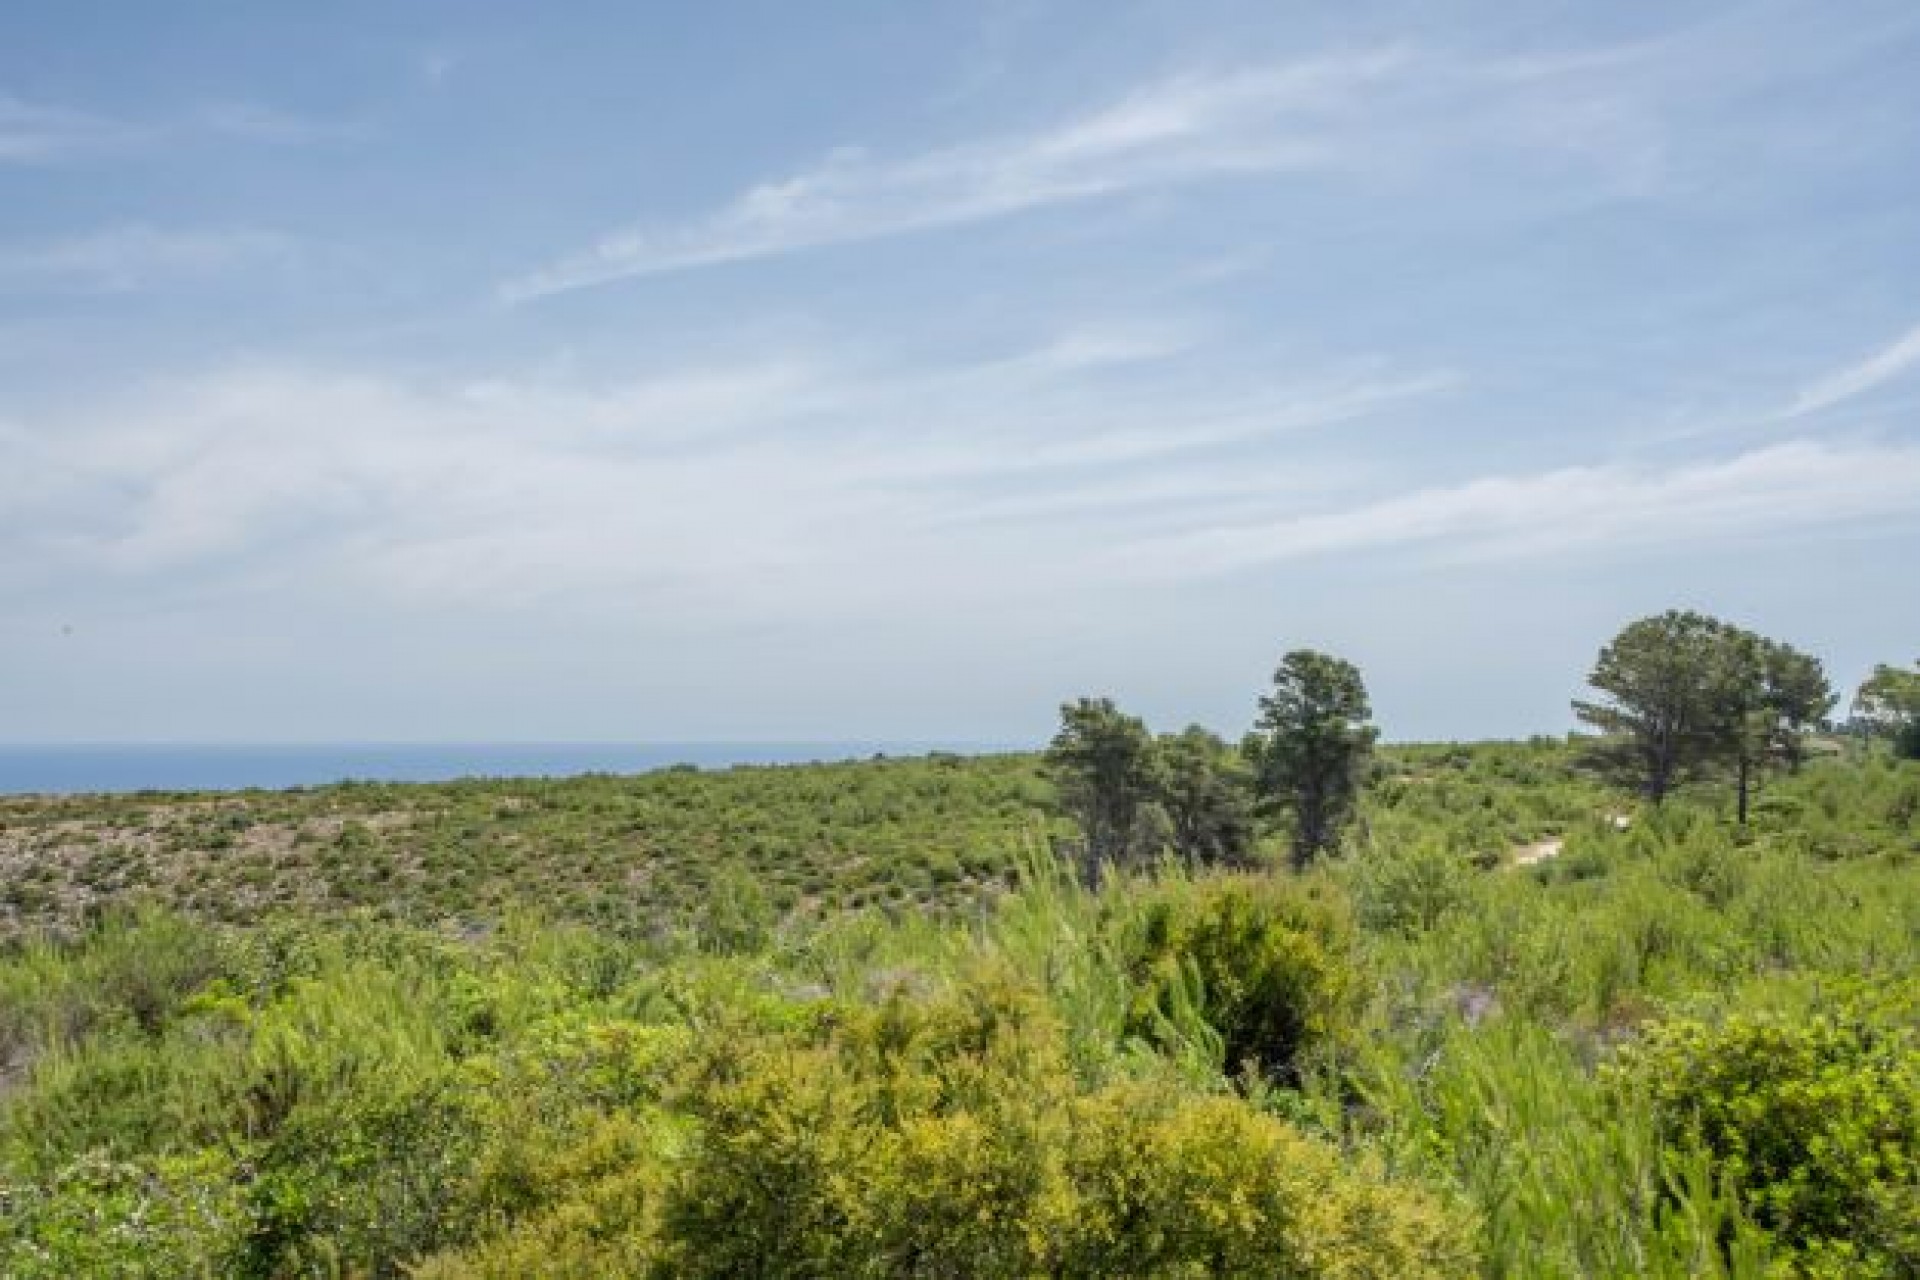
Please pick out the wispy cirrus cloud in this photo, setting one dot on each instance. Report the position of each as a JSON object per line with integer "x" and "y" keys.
{"x": 257, "y": 122}
{"x": 1883, "y": 366}
{"x": 786, "y": 481}
{"x": 1797, "y": 485}
{"x": 1339, "y": 111}
{"x": 132, "y": 256}
{"x": 48, "y": 133}
{"x": 31, "y": 131}
{"x": 1190, "y": 127}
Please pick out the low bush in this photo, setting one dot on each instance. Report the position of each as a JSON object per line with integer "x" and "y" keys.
{"x": 1267, "y": 962}
{"x": 1813, "y": 1120}
{"x": 948, "y": 1137}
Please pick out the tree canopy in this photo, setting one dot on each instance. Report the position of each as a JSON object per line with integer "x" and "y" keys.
{"x": 1310, "y": 747}
{"x": 1102, "y": 761}
{"x": 1134, "y": 796}
{"x": 1686, "y": 695}
{"x": 1888, "y": 705}
{"x": 1205, "y": 792}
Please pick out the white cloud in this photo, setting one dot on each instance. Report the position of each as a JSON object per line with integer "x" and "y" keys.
{"x": 1796, "y": 485}
{"x": 131, "y": 256}
{"x": 1857, "y": 380}
{"x": 789, "y": 483}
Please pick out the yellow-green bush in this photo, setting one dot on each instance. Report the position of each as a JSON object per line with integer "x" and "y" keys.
{"x": 949, "y": 1137}
{"x": 568, "y": 1201}
{"x": 1814, "y": 1121}
{"x": 1170, "y": 1185}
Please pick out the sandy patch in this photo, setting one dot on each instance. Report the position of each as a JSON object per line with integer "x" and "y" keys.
{"x": 1539, "y": 851}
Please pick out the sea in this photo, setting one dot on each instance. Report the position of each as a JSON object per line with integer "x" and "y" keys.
{"x": 69, "y": 769}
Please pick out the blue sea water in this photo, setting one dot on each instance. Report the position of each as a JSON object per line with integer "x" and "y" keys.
{"x": 70, "y": 769}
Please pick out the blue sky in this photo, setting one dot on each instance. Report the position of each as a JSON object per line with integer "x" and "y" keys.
{"x": 627, "y": 372}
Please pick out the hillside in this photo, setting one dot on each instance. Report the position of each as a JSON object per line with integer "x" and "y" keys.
{"x": 623, "y": 852}
{"x": 641, "y": 853}
{"x": 686, "y": 1024}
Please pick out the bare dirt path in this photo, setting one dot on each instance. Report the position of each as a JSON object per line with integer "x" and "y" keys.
{"x": 1527, "y": 855}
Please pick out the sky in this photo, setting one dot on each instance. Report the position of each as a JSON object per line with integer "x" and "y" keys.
{"x": 635, "y": 372}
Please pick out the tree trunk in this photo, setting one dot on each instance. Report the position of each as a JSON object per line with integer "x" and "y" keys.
{"x": 1745, "y": 770}
{"x": 1660, "y": 767}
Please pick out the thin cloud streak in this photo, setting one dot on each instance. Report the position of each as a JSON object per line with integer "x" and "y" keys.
{"x": 128, "y": 257}
{"x": 787, "y": 478}
{"x": 256, "y": 122}
{"x": 43, "y": 133}
{"x": 36, "y": 132}
{"x": 1392, "y": 107}
{"x": 1260, "y": 121}
{"x": 1796, "y": 485}
{"x": 1882, "y": 367}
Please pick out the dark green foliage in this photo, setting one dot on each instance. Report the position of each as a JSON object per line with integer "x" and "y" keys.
{"x": 1310, "y": 747}
{"x": 1205, "y": 791}
{"x": 1796, "y": 698}
{"x": 1888, "y": 701}
{"x": 1660, "y": 723}
{"x": 1687, "y": 694}
{"x": 1888, "y": 706}
{"x": 1767, "y": 696}
{"x": 1104, "y": 765}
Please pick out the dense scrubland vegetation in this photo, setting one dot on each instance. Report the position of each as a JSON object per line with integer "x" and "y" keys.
{"x": 634, "y": 1038}
{"x": 624, "y": 854}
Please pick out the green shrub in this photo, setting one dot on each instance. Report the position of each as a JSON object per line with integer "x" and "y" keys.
{"x": 1267, "y": 960}
{"x": 1814, "y": 1120}
{"x": 356, "y": 1190}
{"x": 1408, "y": 887}
{"x": 97, "y": 1216}
{"x": 736, "y": 917}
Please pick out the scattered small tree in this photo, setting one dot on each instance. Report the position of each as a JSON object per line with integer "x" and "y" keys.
{"x": 1800, "y": 697}
{"x": 1689, "y": 694}
{"x": 1311, "y": 746}
{"x": 1204, "y": 789}
{"x": 1888, "y": 706}
{"x": 1741, "y": 728}
{"x": 1665, "y": 700}
{"x": 1103, "y": 764}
